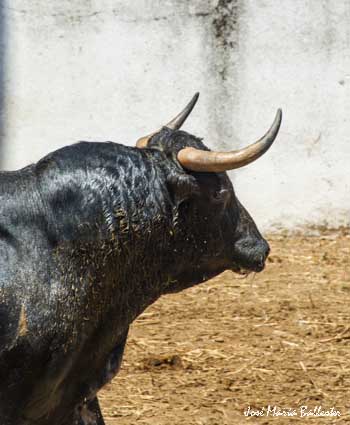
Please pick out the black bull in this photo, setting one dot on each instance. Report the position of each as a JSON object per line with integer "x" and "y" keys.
{"x": 90, "y": 236}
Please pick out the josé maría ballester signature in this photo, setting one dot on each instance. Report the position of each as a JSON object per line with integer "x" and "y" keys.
{"x": 301, "y": 411}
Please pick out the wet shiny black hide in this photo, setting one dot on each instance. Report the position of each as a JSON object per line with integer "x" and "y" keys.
{"x": 90, "y": 236}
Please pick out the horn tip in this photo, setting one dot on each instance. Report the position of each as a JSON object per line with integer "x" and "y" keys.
{"x": 194, "y": 99}
{"x": 278, "y": 118}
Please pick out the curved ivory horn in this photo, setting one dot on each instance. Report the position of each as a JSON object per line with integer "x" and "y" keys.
{"x": 206, "y": 161}
{"x": 174, "y": 124}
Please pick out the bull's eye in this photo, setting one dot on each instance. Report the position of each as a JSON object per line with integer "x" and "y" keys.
{"x": 221, "y": 196}
{"x": 185, "y": 205}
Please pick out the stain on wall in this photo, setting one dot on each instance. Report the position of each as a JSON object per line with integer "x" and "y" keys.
{"x": 223, "y": 29}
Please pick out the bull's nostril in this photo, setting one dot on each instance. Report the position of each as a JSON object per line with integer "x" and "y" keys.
{"x": 260, "y": 266}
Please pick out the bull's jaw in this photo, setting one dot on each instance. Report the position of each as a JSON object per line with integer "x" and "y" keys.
{"x": 190, "y": 278}
{"x": 211, "y": 267}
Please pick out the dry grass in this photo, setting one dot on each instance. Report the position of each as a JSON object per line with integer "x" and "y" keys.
{"x": 278, "y": 338}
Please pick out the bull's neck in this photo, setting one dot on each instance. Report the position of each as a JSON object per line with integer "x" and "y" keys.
{"x": 117, "y": 222}
{"x": 126, "y": 215}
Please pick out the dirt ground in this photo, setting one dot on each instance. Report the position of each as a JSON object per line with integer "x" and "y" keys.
{"x": 278, "y": 338}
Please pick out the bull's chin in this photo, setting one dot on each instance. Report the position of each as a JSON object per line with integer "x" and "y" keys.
{"x": 190, "y": 278}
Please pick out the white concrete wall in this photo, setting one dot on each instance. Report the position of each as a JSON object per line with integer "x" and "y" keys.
{"x": 116, "y": 69}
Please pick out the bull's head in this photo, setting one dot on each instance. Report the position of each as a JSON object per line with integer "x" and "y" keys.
{"x": 222, "y": 231}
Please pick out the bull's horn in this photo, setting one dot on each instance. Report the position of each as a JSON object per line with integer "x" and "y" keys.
{"x": 199, "y": 160}
{"x": 174, "y": 124}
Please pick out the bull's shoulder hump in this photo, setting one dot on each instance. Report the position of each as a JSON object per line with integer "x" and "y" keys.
{"x": 87, "y": 154}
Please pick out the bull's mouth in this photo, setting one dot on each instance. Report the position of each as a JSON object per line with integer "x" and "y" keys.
{"x": 240, "y": 270}
{"x": 245, "y": 271}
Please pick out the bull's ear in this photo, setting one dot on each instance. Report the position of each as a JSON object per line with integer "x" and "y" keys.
{"x": 182, "y": 187}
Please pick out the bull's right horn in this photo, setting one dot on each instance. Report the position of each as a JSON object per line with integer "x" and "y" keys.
{"x": 199, "y": 160}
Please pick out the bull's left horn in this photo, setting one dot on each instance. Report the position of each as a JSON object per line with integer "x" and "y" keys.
{"x": 174, "y": 124}
{"x": 206, "y": 161}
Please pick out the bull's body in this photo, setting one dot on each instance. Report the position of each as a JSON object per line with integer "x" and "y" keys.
{"x": 75, "y": 239}
{"x": 89, "y": 237}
